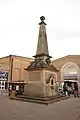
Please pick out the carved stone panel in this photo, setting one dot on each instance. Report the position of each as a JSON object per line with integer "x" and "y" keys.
{"x": 35, "y": 76}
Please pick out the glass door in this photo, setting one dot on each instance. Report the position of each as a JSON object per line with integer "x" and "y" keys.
{"x": 2, "y": 85}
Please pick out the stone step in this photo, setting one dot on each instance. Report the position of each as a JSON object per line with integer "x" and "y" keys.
{"x": 31, "y": 100}
{"x": 40, "y": 101}
{"x": 59, "y": 99}
{"x": 39, "y": 98}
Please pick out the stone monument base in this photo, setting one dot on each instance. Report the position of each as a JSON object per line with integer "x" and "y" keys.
{"x": 41, "y": 100}
{"x": 34, "y": 89}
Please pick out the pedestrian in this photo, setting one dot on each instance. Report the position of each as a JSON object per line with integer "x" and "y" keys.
{"x": 65, "y": 89}
{"x": 76, "y": 91}
{"x": 68, "y": 90}
{"x": 72, "y": 87}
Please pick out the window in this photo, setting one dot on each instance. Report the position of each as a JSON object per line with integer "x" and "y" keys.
{"x": 6, "y": 85}
{"x": 17, "y": 87}
{"x": 2, "y": 83}
{"x": 2, "y": 87}
{"x": 10, "y": 87}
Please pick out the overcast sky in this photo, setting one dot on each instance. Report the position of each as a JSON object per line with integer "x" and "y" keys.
{"x": 19, "y": 26}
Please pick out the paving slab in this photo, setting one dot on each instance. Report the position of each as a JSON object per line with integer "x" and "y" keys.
{"x": 68, "y": 109}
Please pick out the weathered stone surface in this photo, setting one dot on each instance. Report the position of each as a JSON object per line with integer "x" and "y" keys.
{"x": 42, "y": 46}
{"x": 35, "y": 76}
{"x": 42, "y": 60}
{"x": 35, "y": 89}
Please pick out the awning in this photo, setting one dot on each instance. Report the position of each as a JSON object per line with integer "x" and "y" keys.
{"x": 70, "y": 81}
{"x": 17, "y": 82}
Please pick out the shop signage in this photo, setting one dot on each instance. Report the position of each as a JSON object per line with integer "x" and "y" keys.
{"x": 3, "y": 75}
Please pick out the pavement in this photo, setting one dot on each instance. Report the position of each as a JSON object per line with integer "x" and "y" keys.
{"x": 68, "y": 109}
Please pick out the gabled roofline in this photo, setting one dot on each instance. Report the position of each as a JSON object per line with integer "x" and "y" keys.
{"x": 16, "y": 56}
{"x": 21, "y": 56}
{"x": 65, "y": 57}
{"x": 5, "y": 57}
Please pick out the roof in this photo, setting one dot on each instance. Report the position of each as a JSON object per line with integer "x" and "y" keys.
{"x": 21, "y": 56}
{"x": 65, "y": 57}
{"x": 16, "y": 56}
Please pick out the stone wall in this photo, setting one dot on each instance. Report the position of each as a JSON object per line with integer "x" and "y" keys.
{"x": 58, "y": 63}
{"x": 47, "y": 87}
{"x": 34, "y": 85}
{"x": 18, "y": 72}
{"x": 34, "y": 89}
{"x": 35, "y": 76}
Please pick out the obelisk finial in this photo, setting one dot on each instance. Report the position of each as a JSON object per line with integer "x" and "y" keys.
{"x": 42, "y": 18}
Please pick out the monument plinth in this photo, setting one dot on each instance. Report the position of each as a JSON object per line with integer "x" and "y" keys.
{"x": 41, "y": 74}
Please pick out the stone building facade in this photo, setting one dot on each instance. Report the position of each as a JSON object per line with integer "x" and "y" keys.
{"x": 15, "y": 67}
{"x": 69, "y": 68}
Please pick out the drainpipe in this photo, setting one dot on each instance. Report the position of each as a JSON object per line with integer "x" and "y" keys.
{"x": 11, "y": 68}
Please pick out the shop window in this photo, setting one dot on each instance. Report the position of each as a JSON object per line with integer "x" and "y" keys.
{"x": 2, "y": 87}
{"x": 13, "y": 87}
{"x": 10, "y": 87}
{"x": 2, "y": 83}
{"x": 17, "y": 87}
{"x": 6, "y": 85}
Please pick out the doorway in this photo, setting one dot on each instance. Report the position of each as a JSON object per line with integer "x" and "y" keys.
{"x": 3, "y": 88}
{"x": 2, "y": 85}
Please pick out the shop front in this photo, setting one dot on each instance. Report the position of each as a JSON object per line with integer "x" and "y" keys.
{"x": 3, "y": 82}
{"x": 17, "y": 86}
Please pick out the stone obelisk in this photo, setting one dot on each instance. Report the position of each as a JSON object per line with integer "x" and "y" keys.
{"x": 40, "y": 71}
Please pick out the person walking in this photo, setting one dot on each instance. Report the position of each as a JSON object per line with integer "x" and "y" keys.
{"x": 75, "y": 91}
{"x": 65, "y": 89}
